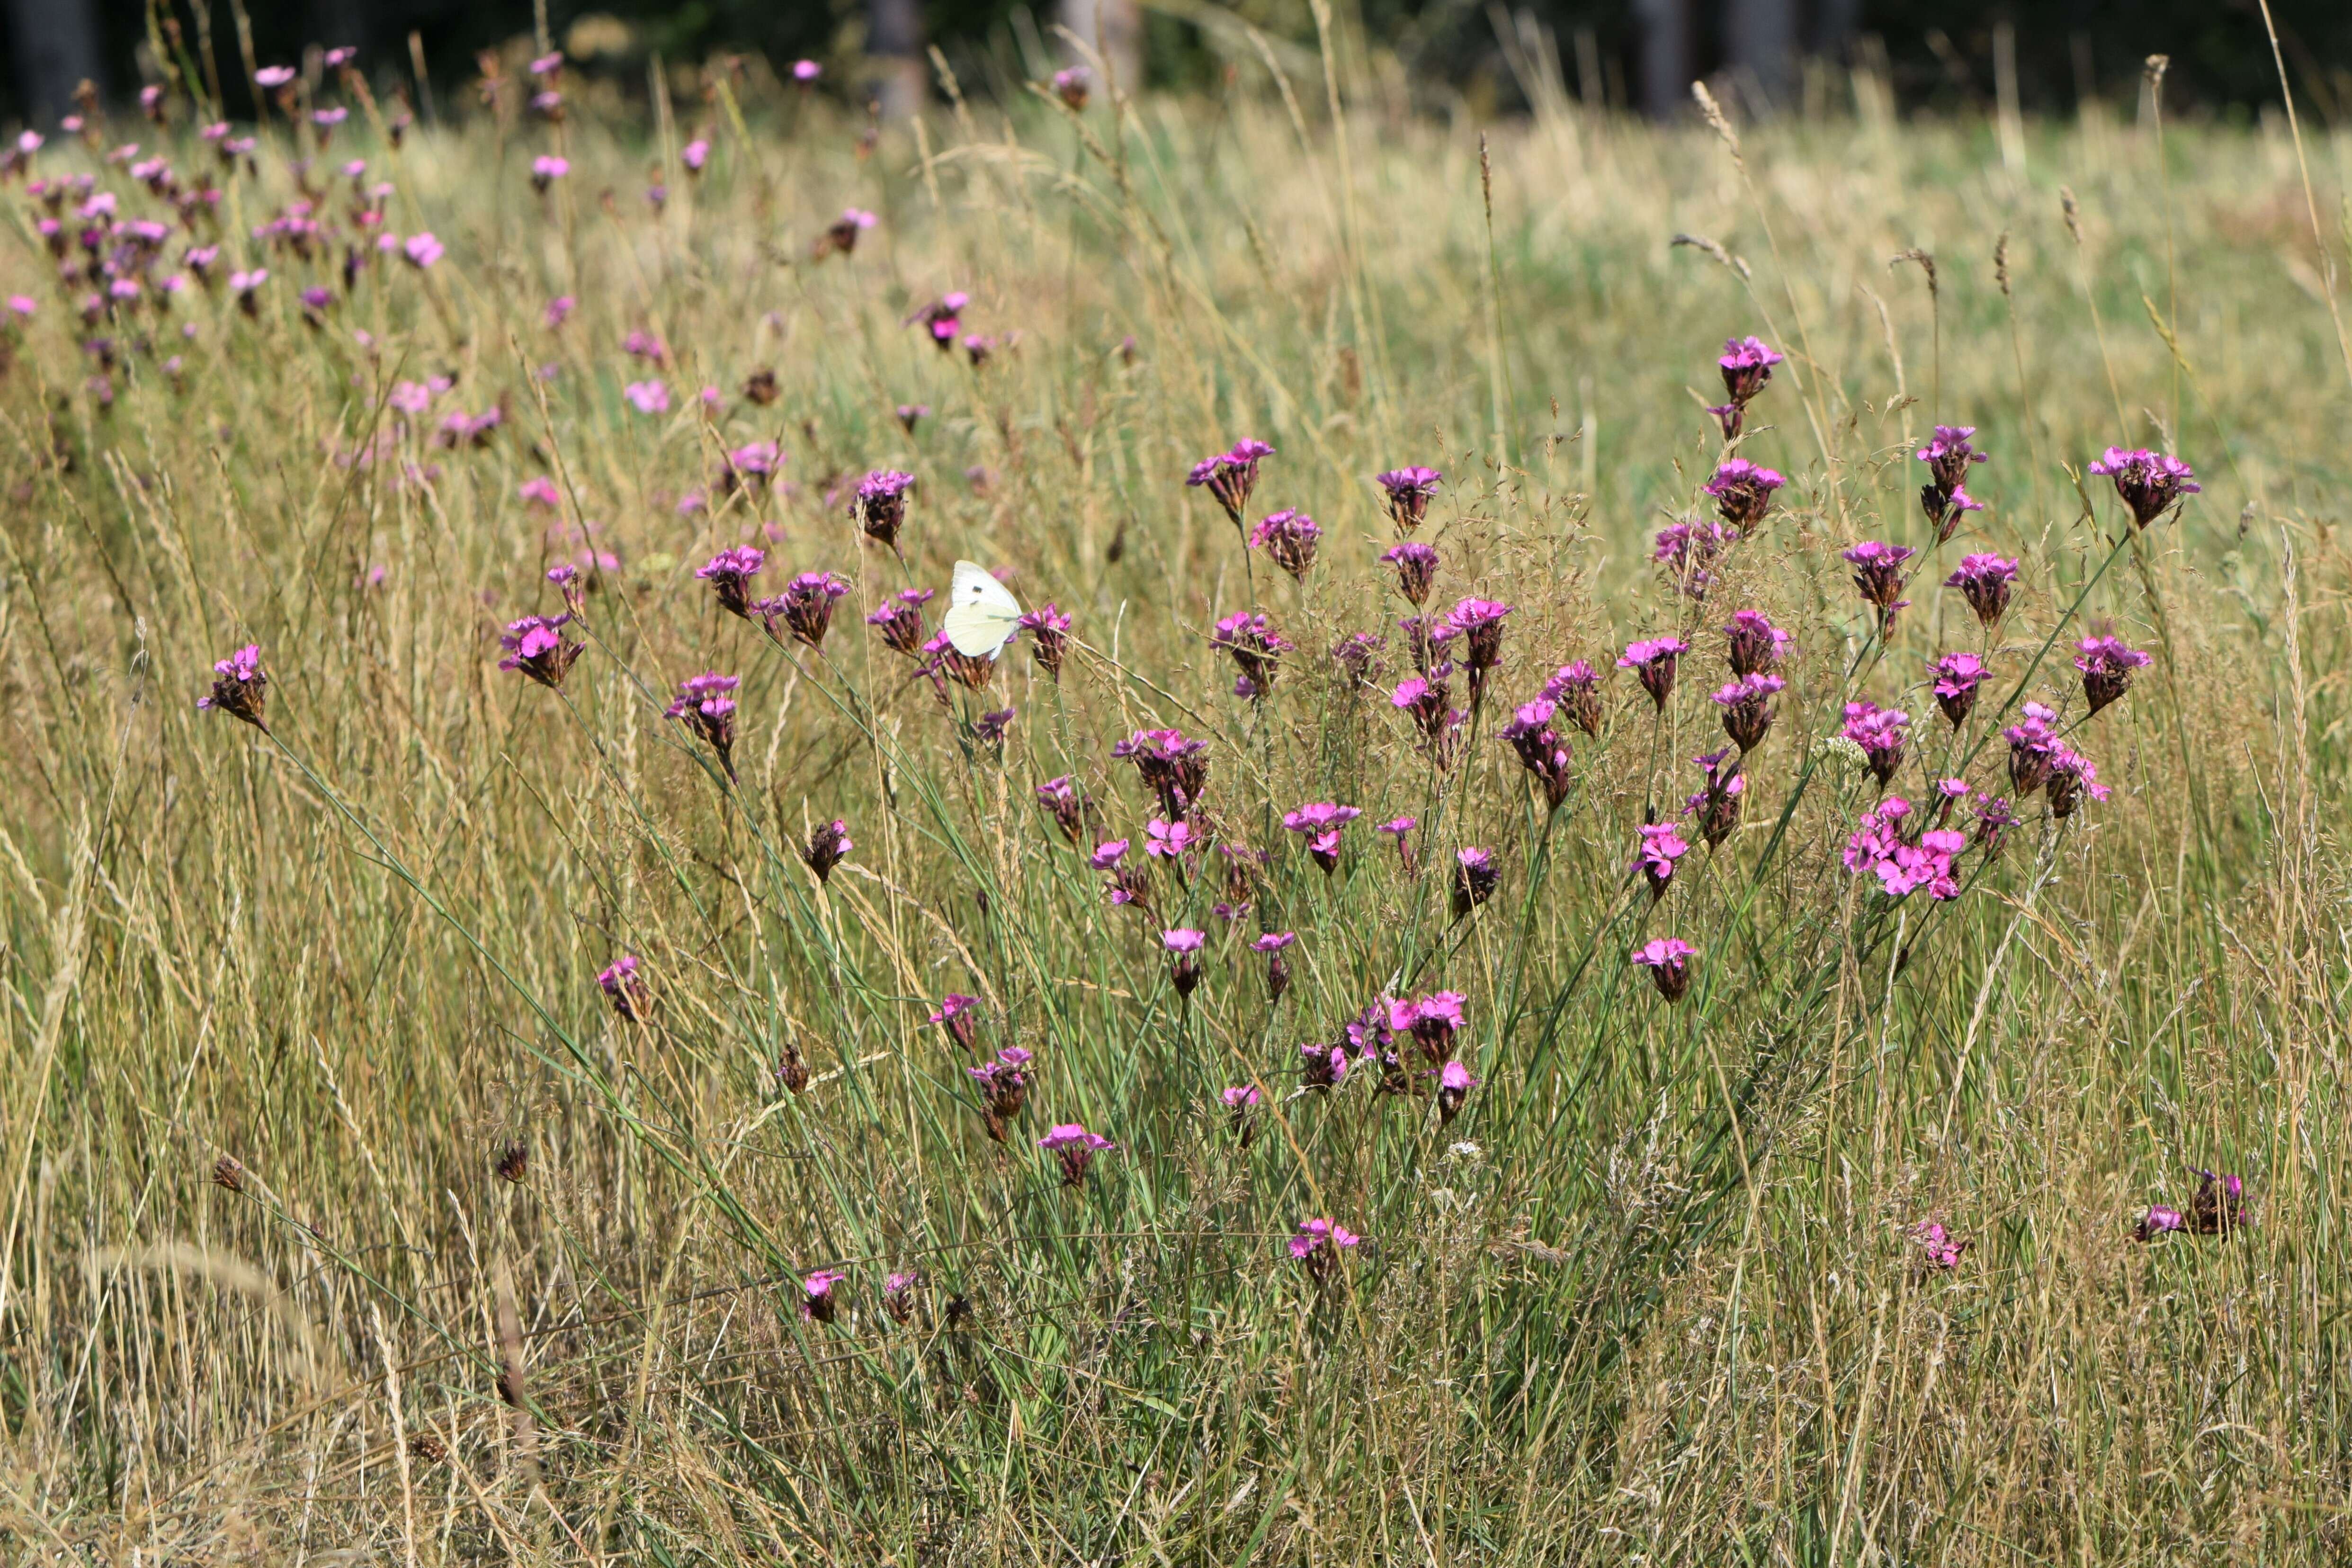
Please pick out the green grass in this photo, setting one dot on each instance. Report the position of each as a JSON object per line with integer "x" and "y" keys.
{"x": 1651, "y": 1294}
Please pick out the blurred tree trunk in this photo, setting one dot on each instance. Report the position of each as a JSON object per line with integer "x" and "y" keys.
{"x": 894, "y": 41}
{"x": 1834, "y": 24}
{"x": 1760, "y": 35}
{"x": 56, "y": 46}
{"x": 1665, "y": 56}
{"x": 1114, "y": 29}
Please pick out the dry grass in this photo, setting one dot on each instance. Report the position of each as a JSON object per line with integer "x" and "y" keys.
{"x": 1652, "y": 1295}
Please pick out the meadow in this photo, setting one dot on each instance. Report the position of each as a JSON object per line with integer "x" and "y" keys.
{"x": 1293, "y": 1062}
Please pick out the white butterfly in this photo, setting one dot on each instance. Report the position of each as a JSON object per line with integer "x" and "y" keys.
{"x": 982, "y": 614}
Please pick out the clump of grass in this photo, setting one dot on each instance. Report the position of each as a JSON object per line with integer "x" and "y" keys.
{"x": 1752, "y": 978}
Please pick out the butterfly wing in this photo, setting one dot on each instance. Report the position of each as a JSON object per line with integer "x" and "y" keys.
{"x": 982, "y": 614}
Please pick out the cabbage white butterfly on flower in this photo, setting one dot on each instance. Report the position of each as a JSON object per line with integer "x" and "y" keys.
{"x": 982, "y": 615}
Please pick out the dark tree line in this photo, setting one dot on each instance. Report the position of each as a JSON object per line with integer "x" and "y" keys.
{"x": 1636, "y": 54}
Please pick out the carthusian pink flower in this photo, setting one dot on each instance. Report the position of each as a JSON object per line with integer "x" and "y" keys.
{"x": 1318, "y": 1245}
{"x": 1423, "y": 699}
{"x": 1049, "y": 636}
{"x": 899, "y": 1295}
{"x": 1231, "y": 477}
{"x": 422, "y": 249}
{"x": 1240, "y": 1100}
{"x": 240, "y": 687}
{"x": 1479, "y": 623}
{"x": 1689, "y": 550}
{"x": 694, "y": 155}
{"x": 1321, "y": 1065}
{"x": 820, "y": 1300}
{"x": 1358, "y": 659}
{"x": 1066, "y": 803}
{"x": 1172, "y": 767}
{"x": 1668, "y": 960}
{"x": 1278, "y": 968}
{"x": 1429, "y": 637}
{"x": 1743, "y": 492}
{"x": 1125, "y": 887}
{"x": 1071, "y": 85}
{"x": 1004, "y": 1086}
{"x": 1881, "y": 733}
{"x": 730, "y": 572}
{"x": 546, "y": 170}
{"x": 1255, "y": 648}
{"x": 624, "y": 988}
{"x": 1938, "y": 1248}
{"x": 806, "y": 71}
{"x": 898, "y": 620}
{"x": 1715, "y": 805}
{"x": 2218, "y": 1206}
{"x": 1183, "y": 945}
{"x": 1321, "y": 825}
{"x": 1957, "y": 677}
{"x": 1944, "y": 497}
{"x": 1540, "y": 750}
{"x": 943, "y": 318}
{"x": 2032, "y": 744}
{"x": 828, "y": 844}
{"x": 2071, "y": 777}
{"x": 2149, "y": 482}
{"x": 1879, "y": 847}
{"x": 1752, "y": 644}
{"x": 536, "y": 645}
{"x": 1476, "y": 878}
{"x": 247, "y": 287}
{"x": 1747, "y": 366}
{"x": 880, "y": 506}
{"x": 1994, "y": 819}
{"x": 647, "y": 396}
{"x": 1433, "y": 1021}
{"x": 1454, "y": 1086}
{"x": 1652, "y": 663}
{"x": 1368, "y": 1034}
{"x": 1401, "y": 829}
{"x": 1288, "y": 538}
{"x": 1071, "y": 1143}
{"x": 1575, "y": 690}
{"x": 1409, "y": 492}
{"x": 805, "y": 606}
{"x": 2159, "y": 1221}
{"x": 1661, "y": 847}
{"x": 954, "y": 1017}
{"x": 752, "y": 465}
{"x": 2107, "y": 666}
{"x": 1878, "y": 574}
{"x": 841, "y": 234}
{"x": 1748, "y": 711}
{"x": 704, "y": 704}
{"x": 1417, "y": 564}
{"x": 1171, "y": 841}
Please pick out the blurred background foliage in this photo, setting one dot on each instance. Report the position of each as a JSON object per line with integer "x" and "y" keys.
{"x": 1479, "y": 57}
